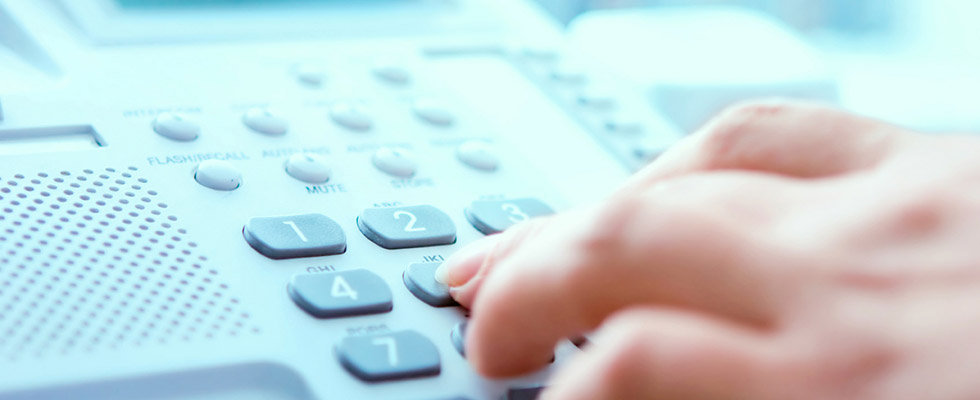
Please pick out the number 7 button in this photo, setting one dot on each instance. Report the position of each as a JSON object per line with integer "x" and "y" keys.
{"x": 402, "y": 227}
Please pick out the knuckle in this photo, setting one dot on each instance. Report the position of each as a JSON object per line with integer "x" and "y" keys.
{"x": 622, "y": 366}
{"x": 849, "y": 368}
{"x": 739, "y": 128}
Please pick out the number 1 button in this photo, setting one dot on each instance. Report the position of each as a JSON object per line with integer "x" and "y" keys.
{"x": 294, "y": 236}
{"x": 401, "y": 227}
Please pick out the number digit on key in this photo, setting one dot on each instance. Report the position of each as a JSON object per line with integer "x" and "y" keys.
{"x": 389, "y": 343}
{"x": 296, "y": 229}
{"x": 412, "y": 219}
{"x": 516, "y": 215}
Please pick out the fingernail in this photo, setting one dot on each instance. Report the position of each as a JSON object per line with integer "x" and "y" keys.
{"x": 464, "y": 264}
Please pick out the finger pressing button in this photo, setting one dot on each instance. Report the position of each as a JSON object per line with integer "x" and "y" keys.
{"x": 420, "y": 280}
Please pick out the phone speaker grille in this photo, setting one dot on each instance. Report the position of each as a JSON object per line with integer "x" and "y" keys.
{"x": 93, "y": 261}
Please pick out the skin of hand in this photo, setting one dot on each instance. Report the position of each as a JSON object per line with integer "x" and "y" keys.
{"x": 784, "y": 251}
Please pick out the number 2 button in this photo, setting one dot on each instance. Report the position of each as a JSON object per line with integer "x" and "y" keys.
{"x": 402, "y": 227}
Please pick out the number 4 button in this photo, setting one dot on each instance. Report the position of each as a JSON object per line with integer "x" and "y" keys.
{"x": 340, "y": 293}
{"x": 401, "y": 227}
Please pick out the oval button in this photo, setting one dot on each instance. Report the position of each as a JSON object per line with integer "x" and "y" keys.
{"x": 176, "y": 126}
{"x": 397, "y": 162}
{"x": 264, "y": 121}
{"x": 433, "y": 112}
{"x": 218, "y": 175}
{"x": 308, "y": 167}
{"x": 478, "y": 155}
{"x": 351, "y": 116}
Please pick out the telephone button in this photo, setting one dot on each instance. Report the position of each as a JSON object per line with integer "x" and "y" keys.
{"x": 494, "y": 216}
{"x": 265, "y": 121}
{"x": 308, "y": 167}
{"x": 458, "y": 337}
{"x": 351, "y": 116}
{"x": 389, "y": 356}
{"x": 218, "y": 175}
{"x": 310, "y": 74}
{"x": 478, "y": 155}
{"x": 340, "y": 293}
{"x": 420, "y": 280}
{"x": 524, "y": 393}
{"x": 392, "y": 73}
{"x": 403, "y": 227}
{"x": 397, "y": 162}
{"x": 433, "y": 112}
{"x": 176, "y": 126}
{"x": 292, "y": 236}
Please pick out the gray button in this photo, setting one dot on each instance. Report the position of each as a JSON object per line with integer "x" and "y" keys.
{"x": 218, "y": 175}
{"x": 291, "y": 236}
{"x": 176, "y": 126}
{"x": 401, "y": 227}
{"x": 396, "y": 355}
{"x": 493, "y": 216}
{"x": 458, "y": 337}
{"x": 420, "y": 280}
{"x": 340, "y": 293}
{"x": 524, "y": 393}
{"x": 265, "y": 121}
{"x": 394, "y": 161}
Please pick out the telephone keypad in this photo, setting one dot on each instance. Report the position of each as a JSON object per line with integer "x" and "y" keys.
{"x": 341, "y": 293}
{"x": 403, "y": 227}
{"x": 389, "y": 356}
{"x": 292, "y": 236}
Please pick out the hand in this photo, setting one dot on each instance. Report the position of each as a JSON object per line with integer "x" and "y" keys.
{"x": 785, "y": 251}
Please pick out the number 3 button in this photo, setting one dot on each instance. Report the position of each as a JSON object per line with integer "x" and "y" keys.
{"x": 402, "y": 227}
{"x": 492, "y": 217}
{"x": 293, "y": 236}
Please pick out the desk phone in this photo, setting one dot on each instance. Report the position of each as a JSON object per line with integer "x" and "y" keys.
{"x": 244, "y": 199}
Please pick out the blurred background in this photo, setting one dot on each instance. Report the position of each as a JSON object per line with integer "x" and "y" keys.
{"x": 915, "y": 62}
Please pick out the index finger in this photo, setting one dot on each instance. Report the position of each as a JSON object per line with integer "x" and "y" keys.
{"x": 668, "y": 249}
